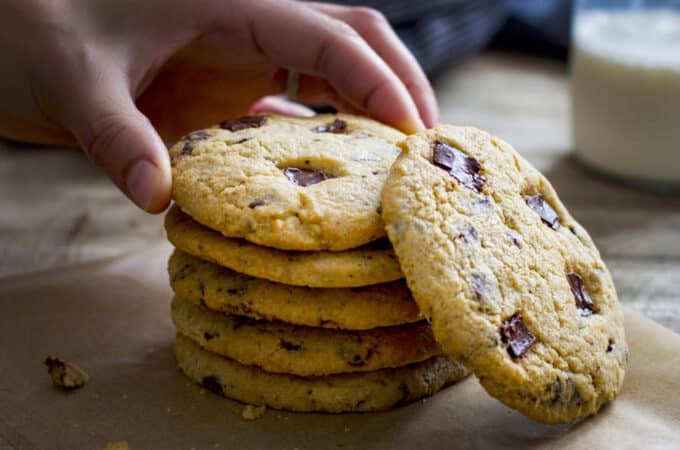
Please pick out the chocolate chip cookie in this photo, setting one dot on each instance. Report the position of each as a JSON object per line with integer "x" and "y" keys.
{"x": 224, "y": 290}
{"x": 285, "y": 182}
{"x": 371, "y": 264}
{"x": 301, "y": 350}
{"x": 350, "y": 392}
{"x": 513, "y": 286}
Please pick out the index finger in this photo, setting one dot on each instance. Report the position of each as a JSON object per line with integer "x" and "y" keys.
{"x": 297, "y": 37}
{"x": 378, "y": 33}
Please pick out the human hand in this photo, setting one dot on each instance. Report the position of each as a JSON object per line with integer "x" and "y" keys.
{"x": 116, "y": 76}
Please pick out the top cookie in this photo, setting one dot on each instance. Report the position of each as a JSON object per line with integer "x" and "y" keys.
{"x": 514, "y": 287}
{"x": 285, "y": 182}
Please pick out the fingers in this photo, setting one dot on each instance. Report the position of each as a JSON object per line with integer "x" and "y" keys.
{"x": 120, "y": 140}
{"x": 377, "y": 32}
{"x": 278, "y": 105}
{"x": 300, "y": 38}
{"x": 317, "y": 91}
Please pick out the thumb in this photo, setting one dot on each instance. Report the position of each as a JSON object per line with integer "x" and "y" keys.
{"x": 120, "y": 140}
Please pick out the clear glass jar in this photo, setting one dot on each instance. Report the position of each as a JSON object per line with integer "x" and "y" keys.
{"x": 625, "y": 68}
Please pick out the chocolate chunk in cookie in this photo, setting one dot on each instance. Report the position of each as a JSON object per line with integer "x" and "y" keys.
{"x": 255, "y": 203}
{"x": 517, "y": 335}
{"x": 289, "y": 346}
{"x": 244, "y": 122}
{"x": 304, "y": 177}
{"x": 584, "y": 303}
{"x": 190, "y": 141}
{"x": 337, "y": 126}
{"x": 212, "y": 384}
{"x": 544, "y": 210}
{"x": 465, "y": 169}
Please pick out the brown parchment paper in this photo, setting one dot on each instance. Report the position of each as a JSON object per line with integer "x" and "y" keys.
{"x": 112, "y": 318}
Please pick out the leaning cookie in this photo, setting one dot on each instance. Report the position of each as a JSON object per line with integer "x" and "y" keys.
{"x": 299, "y": 350}
{"x": 514, "y": 288}
{"x": 371, "y": 264}
{"x": 285, "y": 182}
{"x": 351, "y": 392}
{"x": 220, "y": 289}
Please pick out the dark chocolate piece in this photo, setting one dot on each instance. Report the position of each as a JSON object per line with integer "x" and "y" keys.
{"x": 584, "y": 303}
{"x": 239, "y": 292}
{"x": 465, "y": 169}
{"x": 207, "y": 335}
{"x": 405, "y": 394}
{"x": 183, "y": 272}
{"x": 303, "y": 177}
{"x": 611, "y": 346}
{"x": 255, "y": 203}
{"x": 212, "y": 384}
{"x": 191, "y": 139}
{"x": 357, "y": 360}
{"x": 544, "y": 210}
{"x": 201, "y": 288}
{"x": 241, "y": 123}
{"x": 337, "y": 126}
{"x": 289, "y": 346}
{"x": 198, "y": 135}
{"x": 467, "y": 236}
{"x": 517, "y": 335}
{"x": 515, "y": 238}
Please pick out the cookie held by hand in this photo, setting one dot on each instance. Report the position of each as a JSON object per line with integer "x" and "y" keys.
{"x": 285, "y": 182}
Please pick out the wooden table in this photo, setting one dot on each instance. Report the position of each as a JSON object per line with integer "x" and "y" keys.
{"x": 57, "y": 210}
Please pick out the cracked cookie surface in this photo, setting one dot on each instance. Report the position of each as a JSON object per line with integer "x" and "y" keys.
{"x": 301, "y": 350}
{"x": 220, "y": 289}
{"x": 286, "y": 182}
{"x": 350, "y": 392}
{"x": 513, "y": 286}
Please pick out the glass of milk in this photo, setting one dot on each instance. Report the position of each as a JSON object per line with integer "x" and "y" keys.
{"x": 625, "y": 64}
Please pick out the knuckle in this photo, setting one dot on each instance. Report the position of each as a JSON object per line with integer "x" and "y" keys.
{"x": 340, "y": 35}
{"x": 369, "y": 17}
{"x": 343, "y": 29}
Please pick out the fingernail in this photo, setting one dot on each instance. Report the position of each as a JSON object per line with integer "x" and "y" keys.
{"x": 142, "y": 181}
{"x": 413, "y": 126}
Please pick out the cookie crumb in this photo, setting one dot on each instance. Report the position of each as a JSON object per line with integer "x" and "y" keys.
{"x": 122, "y": 445}
{"x": 252, "y": 412}
{"x": 65, "y": 374}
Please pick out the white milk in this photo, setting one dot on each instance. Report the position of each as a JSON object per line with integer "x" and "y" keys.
{"x": 626, "y": 93}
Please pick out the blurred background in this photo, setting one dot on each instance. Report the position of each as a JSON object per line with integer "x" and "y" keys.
{"x": 444, "y": 32}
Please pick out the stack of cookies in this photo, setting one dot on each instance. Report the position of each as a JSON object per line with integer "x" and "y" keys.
{"x": 287, "y": 293}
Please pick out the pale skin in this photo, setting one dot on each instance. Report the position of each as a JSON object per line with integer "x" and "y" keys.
{"x": 119, "y": 77}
